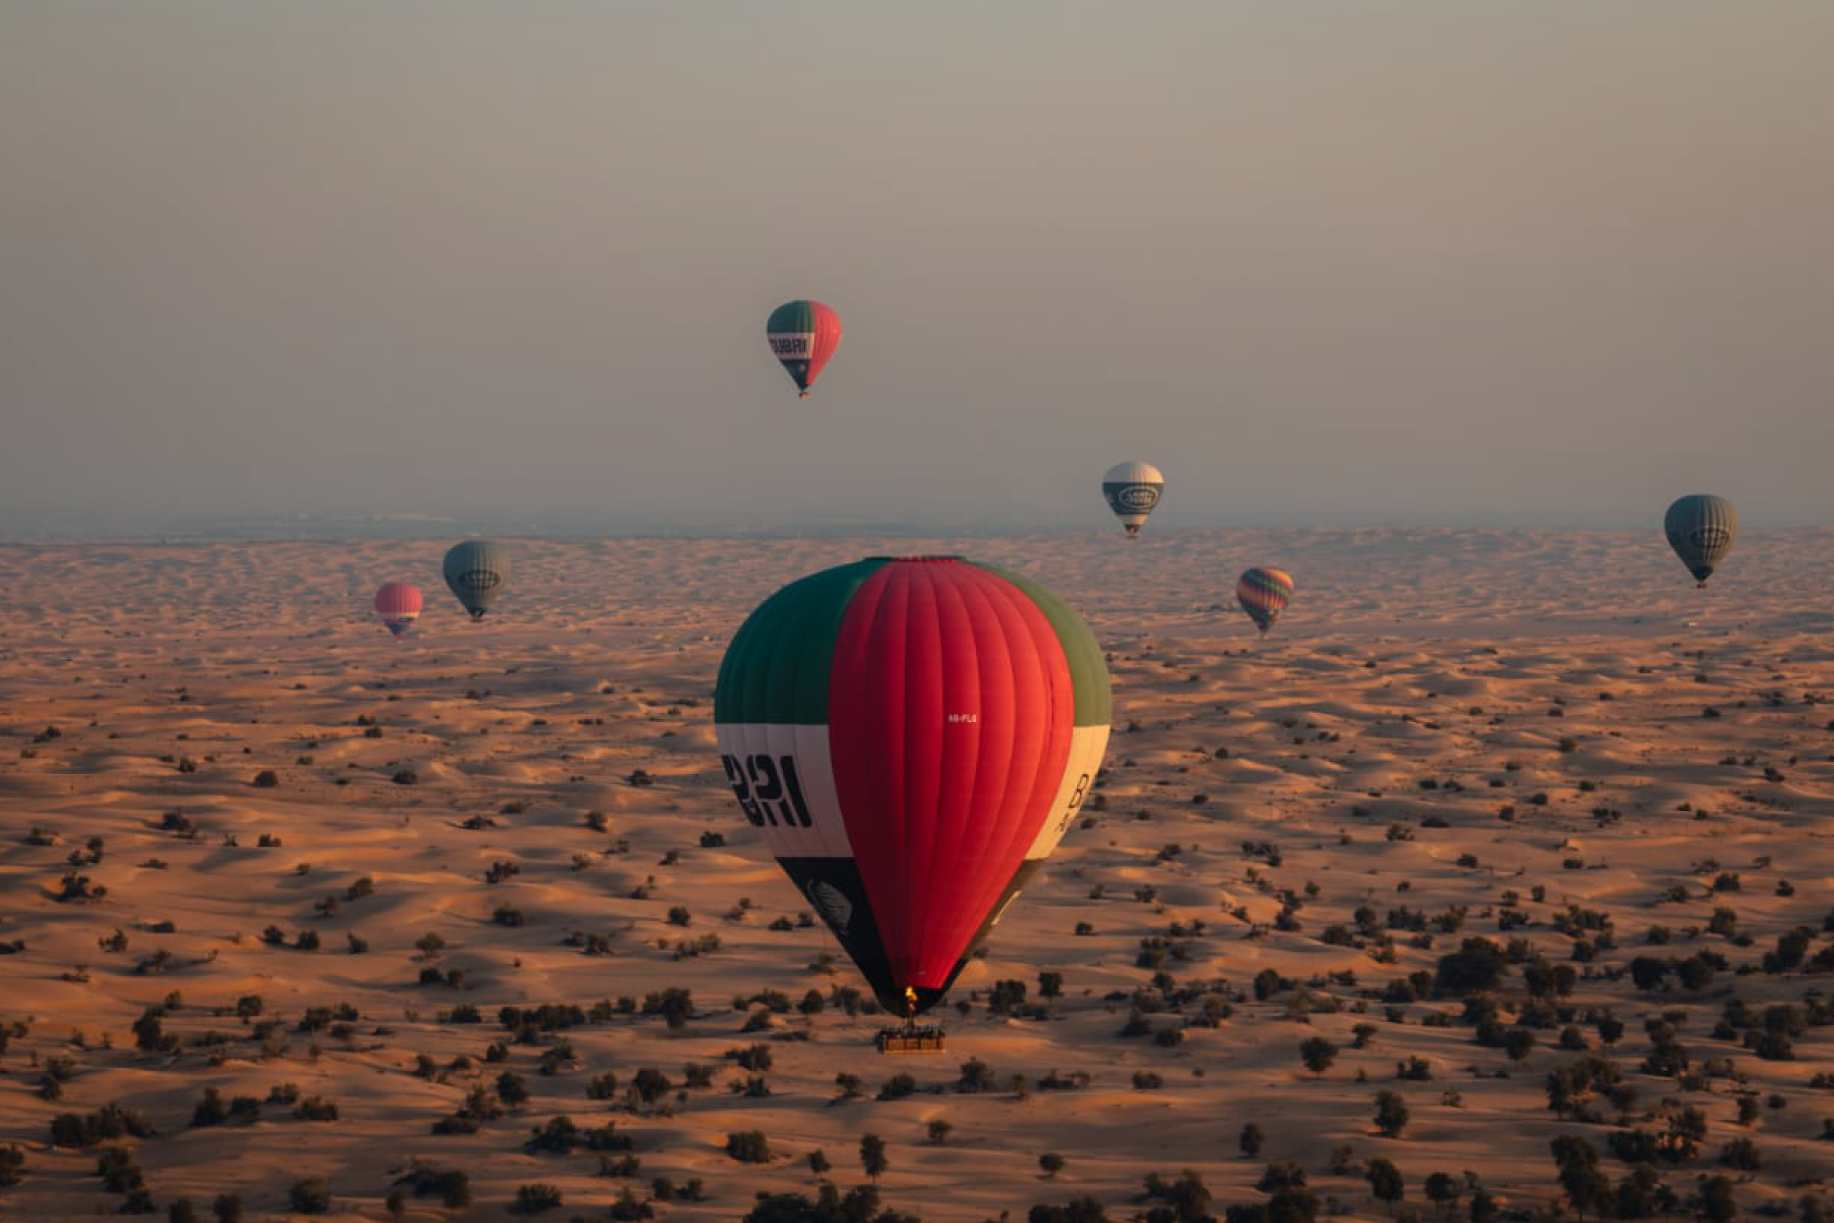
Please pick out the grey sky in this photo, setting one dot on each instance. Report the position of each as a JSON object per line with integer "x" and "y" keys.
{"x": 1474, "y": 261}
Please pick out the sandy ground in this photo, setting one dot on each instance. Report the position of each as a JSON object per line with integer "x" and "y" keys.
{"x": 1512, "y": 735}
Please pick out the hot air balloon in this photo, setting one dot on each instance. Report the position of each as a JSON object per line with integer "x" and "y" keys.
{"x": 1701, "y": 528}
{"x": 1264, "y": 594}
{"x": 803, "y": 335}
{"x": 476, "y": 570}
{"x": 398, "y": 603}
{"x": 1132, "y": 490}
{"x": 911, "y": 737}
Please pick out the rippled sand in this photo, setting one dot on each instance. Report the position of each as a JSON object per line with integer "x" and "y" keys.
{"x": 1465, "y": 723}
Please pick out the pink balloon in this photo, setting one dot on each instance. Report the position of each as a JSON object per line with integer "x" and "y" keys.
{"x": 398, "y": 603}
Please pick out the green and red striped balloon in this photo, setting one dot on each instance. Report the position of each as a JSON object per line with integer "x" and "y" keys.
{"x": 912, "y": 737}
{"x": 803, "y": 335}
{"x": 1264, "y": 594}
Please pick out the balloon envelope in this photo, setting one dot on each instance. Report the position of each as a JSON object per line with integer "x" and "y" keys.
{"x": 803, "y": 335}
{"x": 1132, "y": 490}
{"x": 398, "y": 603}
{"x": 1701, "y": 528}
{"x": 1264, "y": 594}
{"x": 911, "y": 737}
{"x": 477, "y": 571}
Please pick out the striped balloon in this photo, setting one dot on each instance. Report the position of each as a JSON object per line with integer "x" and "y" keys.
{"x": 803, "y": 335}
{"x": 398, "y": 603}
{"x": 476, "y": 571}
{"x": 1701, "y": 528}
{"x": 911, "y": 737}
{"x": 1264, "y": 594}
{"x": 1132, "y": 490}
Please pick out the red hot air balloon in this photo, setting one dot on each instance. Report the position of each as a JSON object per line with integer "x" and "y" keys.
{"x": 398, "y": 603}
{"x": 803, "y": 335}
{"x": 911, "y": 737}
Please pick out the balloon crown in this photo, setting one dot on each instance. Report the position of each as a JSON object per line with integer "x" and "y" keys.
{"x": 917, "y": 560}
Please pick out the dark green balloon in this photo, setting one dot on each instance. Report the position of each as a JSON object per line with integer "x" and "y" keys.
{"x": 1701, "y": 528}
{"x": 477, "y": 571}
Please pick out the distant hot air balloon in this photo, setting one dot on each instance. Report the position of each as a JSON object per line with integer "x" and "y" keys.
{"x": 911, "y": 737}
{"x": 1701, "y": 528}
{"x": 803, "y": 335}
{"x": 398, "y": 603}
{"x": 1132, "y": 490}
{"x": 1264, "y": 594}
{"x": 476, "y": 570}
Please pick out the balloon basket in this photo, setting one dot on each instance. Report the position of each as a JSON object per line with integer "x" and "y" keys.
{"x": 910, "y": 1039}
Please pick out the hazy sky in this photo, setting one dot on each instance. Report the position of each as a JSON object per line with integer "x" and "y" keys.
{"x": 1471, "y": 261}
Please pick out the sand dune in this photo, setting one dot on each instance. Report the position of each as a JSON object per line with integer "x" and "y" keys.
{"x": 1549, "y": 737}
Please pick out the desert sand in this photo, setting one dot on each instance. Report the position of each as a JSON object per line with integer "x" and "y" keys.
{"x": 1550, "y": 737}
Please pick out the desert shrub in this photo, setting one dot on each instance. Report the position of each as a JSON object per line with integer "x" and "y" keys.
{"x": 1317, "y": 1053}
{"x": 1005, "y": 997}
{"x": 533, "y": 1199}
{"x": 1391, "y": 1113}
{"x": 109, "y": 1122}
{"x": 976, "y": 1076}
{"x": 753, "y": 1057}
{"x": 512, "y": 1089}
{"x": 1414, "y": 1069}
{"x": 311, "y": 1196}
{"x": 210, "y": 1110}
{"x": 451, "y": 1185}
{"x": 898, "y": 1087}
{"x": 623, "y": 1166}
{"x": 1742, "y": 1154}
{"x": 675, "y": 1005}
{"x": 873, "y": 1160}
{"x": 1478, "y": 964}
{"x": 316, "y": 1108}
{"x": 749, "y": 1147}
{"x": 1187, "y": 1196}
{"x": 650, "y": 1085}
{"x": 119, "y": 1171}
{"x": 1284, "y": 1174}
{"x": 1083, "y": 1209}
{"x": 1385, "y": 1182}
{"x": 77, "y": 888}
{"x": 1792, "y": 949}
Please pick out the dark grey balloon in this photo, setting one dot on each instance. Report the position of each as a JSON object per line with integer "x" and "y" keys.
{"x": 477, "y": 571}
{"x": 1701, "y": 528}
